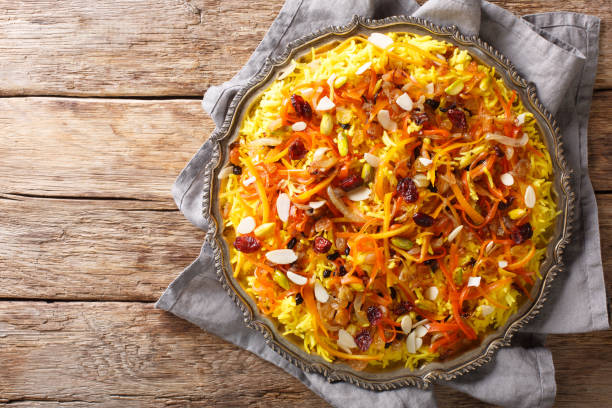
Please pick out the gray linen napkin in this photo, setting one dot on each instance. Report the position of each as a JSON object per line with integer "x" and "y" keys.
{"x": 556, "y": 51}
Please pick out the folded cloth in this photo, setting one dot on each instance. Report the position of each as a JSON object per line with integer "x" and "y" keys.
{"x": 558, "y": 52}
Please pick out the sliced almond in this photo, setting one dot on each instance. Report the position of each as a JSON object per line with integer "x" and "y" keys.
{"x": 380, "y": 40}
{"x": 489, "y": 247}
{"x": 248, "y": 181}
{"x": 453, "y": 234}
{"x": 404, "y": 102}
{"x": 359, "y": 194}
{"x": 421, "y": 331}
{"x": 418, "y": 342}
{"x": 429, "y": 88}
{"x": 295, "y": 278}
{"x": 298, "y": 126}
{"x": 320, "y": 293}
{"x": 507, "y": 179}
{"x": 307, "y": 92}
{"x": 520, "y": 119}
{"x": 425, "y": 161}
{"x": 226, "y": 171}
{"x": 246, "y": 225}
{"x": 363, "y": 68}
{"x": 316, "y": 204}
{"x": 420, "y": 180}
{"x": 530, "y": 197}
{"x": 325, "y": 104}
{"x": 345, "y": 340}
{"x": 406, "y": 323}
{"x": 319, "y": 153}
{"x": 282, "y": 257}
{"x": 502, "y": 264}
{"x": 411, "y": 343}
{"x": 431, "y": 293}
{"x": 486, "y": 310}
{"x": 372, "y": 160}
{"x": 474, "y": 281}
{"x": 283, "y": 205}
{"x": 265, "y": 141}
{"x": 385, "y": 120}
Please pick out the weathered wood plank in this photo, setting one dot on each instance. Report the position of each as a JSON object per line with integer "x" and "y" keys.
{"x": 117, "y": 250}
{"x": 156, "y": 47}
{"x": 90, "y": 249}
{"x": 127, "y": 354}
{"x": 135, "y": 148}
{"x": 98, "y": 147}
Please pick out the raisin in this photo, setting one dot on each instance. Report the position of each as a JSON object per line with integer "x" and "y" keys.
{"x": 237, "y": 170}
{"x": 247, "y": 244}
{"x": 433, "y": 103}
{"x": 498, "y": 151}
{"x": 322, "y": 245}
{"x": 342, "y": 271}
{"x": 297, "y": 150}
{"x": 392, "y": 292}
{"x": 334, "y": 256}
{"x": 345, "y": 126}
{"x": 351, "y": 182}
{"x": 387, "y": 345}
{"x": 374, "y": 315}
{"x": 432, "y": 263}
{"x": 407, "y": 189}
{"x": 422, "y": 220}
{"x": 403, "y": 308}
{"x": 292, "y": 242}
{"x": 522, "y": 233}
{"x": 420, "y": 118}
{"x": 347, "y": 250}
{"x": 363, "y": 340}
{"x": 457, "y": 117}
{"x": 432, "y": 188}
{"x": 302, "y": 108}
{"x": 471, "y": 262}
{"x": 504, "y": 206}
{"x": 298, "y": 299}
{"x": 327, "y": 273}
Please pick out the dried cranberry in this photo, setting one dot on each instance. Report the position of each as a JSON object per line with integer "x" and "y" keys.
{"x": 363, "y": 340}
{"x": 297, "y": 150}
{"x": 433, "y": 103}
{"x": 420, "y": 118}
{"x": 498, "y": 151}
{"x": 522, "y": 233}
{"x": 298, "y": 299}
{"x": 351, "y": 182}
{"x": 374, "y": 315}
{"x": 422, "y": 220}
{"x": 457, "y": 117}
{"x": 302, "y": 108}
{"x": 403, "y": 308}
{"x": 322, "y": 245}
{"x": 247, "y": 244}
{"x": 407, "y": 189}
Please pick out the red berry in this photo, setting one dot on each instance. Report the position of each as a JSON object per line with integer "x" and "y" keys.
{"x": 247, "y": 244}
{"x": 374, "y": 315}
{"x": 408, "y": 190}
{"x": 351, "y": 182}
{"x": 422, "y": 220}
{"x": 322, "y": 245}
{"x": 302, "y": 108}
{"x": 297, "y": 150}
{"x": 363, "y": 340}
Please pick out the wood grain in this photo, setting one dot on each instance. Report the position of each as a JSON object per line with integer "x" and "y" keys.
{"x": 136, "y": 148}
{"x": 128, "y": 354}
{"x": 158, "y": 47}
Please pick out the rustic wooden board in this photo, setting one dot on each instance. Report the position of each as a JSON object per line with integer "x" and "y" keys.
{"x": 128, "y": 354}
{"x": 135, "y": 149}
{"x": 158, "y": 47}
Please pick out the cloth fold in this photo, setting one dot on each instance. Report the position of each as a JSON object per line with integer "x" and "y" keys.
{"x": 556, "y": 51}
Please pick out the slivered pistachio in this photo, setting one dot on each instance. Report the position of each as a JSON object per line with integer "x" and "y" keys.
{"x": 517, "y": 213}
{"x": 282, "y": 280}
{"x": 484, "y": 84}
{"x": 366, "y": 172}
{"x": 326, "y": 124}
{"x": 264, "y": 229}
{"x": 402, "y": 243}
{"x": 454, "y": 88}
{"x": 342, "y": 144}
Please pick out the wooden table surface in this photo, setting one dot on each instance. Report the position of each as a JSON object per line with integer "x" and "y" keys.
{"x": 99, "y": 111}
